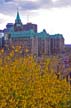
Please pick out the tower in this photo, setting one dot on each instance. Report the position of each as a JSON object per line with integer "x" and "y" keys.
{"x": 18, "y": 26}
{"x": 30, "y": 26}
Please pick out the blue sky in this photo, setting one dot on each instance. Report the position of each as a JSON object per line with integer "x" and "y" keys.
{"x": 53, "y": 15}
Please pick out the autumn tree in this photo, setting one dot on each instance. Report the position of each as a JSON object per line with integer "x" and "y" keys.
{"x": 25, "y": 83}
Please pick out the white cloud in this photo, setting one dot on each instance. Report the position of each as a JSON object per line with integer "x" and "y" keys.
{"x": 54, "y": 20}
{"x": 4, "y": 19}
{"x": 55, "y": 0}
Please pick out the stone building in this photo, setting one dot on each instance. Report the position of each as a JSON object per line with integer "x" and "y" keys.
{"x": 28, "y": 38}
{"x": 30, "y": 26}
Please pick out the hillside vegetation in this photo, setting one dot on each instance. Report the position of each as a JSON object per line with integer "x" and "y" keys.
{"x": 25, "y": 83}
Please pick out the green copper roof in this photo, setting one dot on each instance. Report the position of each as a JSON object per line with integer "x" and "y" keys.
{"x": 31, "y": 33}
{"x": 43, "y": 34}
{"x": 23, "y": 34}
{"x": 18, "y": 18}
{"x": 56, "y": 36}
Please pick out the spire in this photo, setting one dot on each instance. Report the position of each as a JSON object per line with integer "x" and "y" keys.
{"x": 18, "y": 20}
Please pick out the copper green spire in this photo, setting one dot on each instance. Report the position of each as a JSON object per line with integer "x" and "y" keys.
{"x": 18, "y": 20}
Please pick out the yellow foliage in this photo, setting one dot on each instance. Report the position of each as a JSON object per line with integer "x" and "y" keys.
{"x": 24, "y": 83}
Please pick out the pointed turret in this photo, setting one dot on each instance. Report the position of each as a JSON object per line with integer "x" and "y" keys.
{"x": 18, "y": 26}
{"x": 18, "y": 20}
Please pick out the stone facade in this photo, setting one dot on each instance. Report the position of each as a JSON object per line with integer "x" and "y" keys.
{"x": 36, "y": 43}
